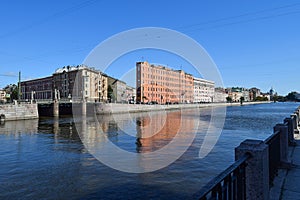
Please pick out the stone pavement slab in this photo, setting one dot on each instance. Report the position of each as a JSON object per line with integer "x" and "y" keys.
{"x": 290, "y": 189}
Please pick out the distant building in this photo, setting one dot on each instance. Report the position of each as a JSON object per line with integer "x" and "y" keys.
{"x": 161, "y": 84}
{"x": 253, "y": 93}
{"x": 246, "y": 94}
{"x": 41, "y": 89}
{"x": 71, "y": 82}
{"x": 2, "y": 96}
{"x": 118, "y": 93}
{"x": 236, "y": 93}
{"x": 203, "y": 90}
{"x": 130, "y": 94}
{"x": 219, "y": 95}
{"x": 272, "y": 94}
{"x": 266, "y": 95}
{"x": 81, "y": 82}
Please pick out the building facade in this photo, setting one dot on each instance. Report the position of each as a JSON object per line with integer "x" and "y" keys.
{"x": 236, "y": 93}
{"x": 162, "y": 85}
{"x": 117, "y": 90}
{"x": 41, "y": 89}
{"x": 220, "y": 95}
{"x": 2, "y": 96}
{"x": 254, "y": 93}
{"x": 130, "y": 94}
{"x": 203, "y": 90}
{"x": 71, "y": 82}
{"x": 81, "y": 82}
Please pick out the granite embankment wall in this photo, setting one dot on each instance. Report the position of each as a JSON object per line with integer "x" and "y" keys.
{"x": 18, "y": 111}
{"x": 113, "y": 108}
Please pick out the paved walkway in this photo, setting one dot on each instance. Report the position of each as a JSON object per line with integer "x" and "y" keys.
{"x": 287, "y": 184}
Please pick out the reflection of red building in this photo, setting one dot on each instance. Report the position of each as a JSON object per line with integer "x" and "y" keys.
{"x": 157, "y": 131}
{"x": 162, "y": 84}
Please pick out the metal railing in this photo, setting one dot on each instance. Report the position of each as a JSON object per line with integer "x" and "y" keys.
{"x": 273, "y": 142}
{"x": 230, "y": 184}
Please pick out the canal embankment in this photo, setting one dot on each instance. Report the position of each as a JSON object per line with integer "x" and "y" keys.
{"x": 115, "y": 108}
{"x": 18, "y": 111}
{"x": 23, "y": 111}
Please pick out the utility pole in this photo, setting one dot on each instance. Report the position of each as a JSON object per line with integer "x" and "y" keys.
{"x": 19, "y": 87}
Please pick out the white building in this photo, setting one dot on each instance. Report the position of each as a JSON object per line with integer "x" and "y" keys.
{"x": 203, "y": 90}
{"x": 2, "y": 96}
{"x": 220, "y": 95}
{"x": 130, "y": 93}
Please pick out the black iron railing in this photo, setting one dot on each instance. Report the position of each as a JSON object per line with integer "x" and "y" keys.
{"x": 230, "y": 184}
{"x": 274, "y": 155}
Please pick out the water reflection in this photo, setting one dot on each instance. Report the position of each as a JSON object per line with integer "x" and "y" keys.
{"x": 146, "y": 132}
{"x": 45, "y": 159}
{"x": 20, "y": 126}
{"x": 170, "y": 125}
{"x": 140, "y": 141}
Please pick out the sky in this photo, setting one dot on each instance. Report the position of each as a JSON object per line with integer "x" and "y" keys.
{"x": 253, "y": 43}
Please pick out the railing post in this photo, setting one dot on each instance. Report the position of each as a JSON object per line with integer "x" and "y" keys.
{"x": 294, "y": 118}
{"x": 257, "y": 170}
{"x": 83, "y": 107}
{"x": 298, "y": 116}
{"x": 283, "y": 142}
{"x": 291, "y": 128}
{"x": 297, "y": 113}
{"x": 55, "y": 108}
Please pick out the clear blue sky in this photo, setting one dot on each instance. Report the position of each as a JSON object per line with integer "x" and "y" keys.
{"x": 253, "y": 43}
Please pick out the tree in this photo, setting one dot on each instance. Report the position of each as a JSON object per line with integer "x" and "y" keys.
{"x": 275, "y": 98}
{"x": 259, "y": 98}
{"x": 12, "y": 90}
{"x": 242, "y": 99}
{"x": 291, "y": 96}
{"x": 229, "y": 99}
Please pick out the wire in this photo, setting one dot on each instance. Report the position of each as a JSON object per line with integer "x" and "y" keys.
{"x": 9, "y": 75}
{"x": 239, "y": 16}
{"x": 246, "y": 21}
{"x": 49, "y": 18}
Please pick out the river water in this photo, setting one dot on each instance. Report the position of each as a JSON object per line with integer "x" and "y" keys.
{"x": 46, "y": 158}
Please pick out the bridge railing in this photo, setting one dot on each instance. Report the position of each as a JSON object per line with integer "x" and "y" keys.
{"x": 252, "y": 174}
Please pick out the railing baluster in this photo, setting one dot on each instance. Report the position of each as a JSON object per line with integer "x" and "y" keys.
{"x": 229, "y": 187}
{"x": 226, "y": 185}
{"x": 219, "y": 188}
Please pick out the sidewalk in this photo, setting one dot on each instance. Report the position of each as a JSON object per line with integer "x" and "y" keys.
{"x": 287, "y": 183}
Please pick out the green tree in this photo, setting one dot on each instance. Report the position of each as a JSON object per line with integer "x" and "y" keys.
{"x": 291, "y": 96}
{"x": 242, "y": 99}
{"x": 12, "y": 90}
{"x": 229, "y": 99}
{"x": 259, "y": 98}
